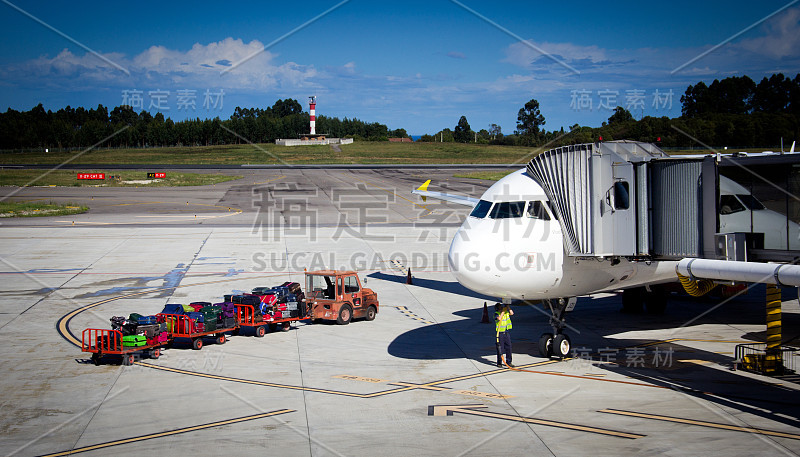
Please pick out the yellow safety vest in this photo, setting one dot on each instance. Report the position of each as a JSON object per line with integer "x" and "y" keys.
{"x": 503, "y": 321}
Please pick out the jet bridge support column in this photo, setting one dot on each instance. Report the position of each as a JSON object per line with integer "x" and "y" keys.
{"x": 772, "y": 359}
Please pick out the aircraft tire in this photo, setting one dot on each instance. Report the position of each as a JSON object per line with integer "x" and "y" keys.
{"x": 561, "y": 346}
{"x": 546, "y": 345}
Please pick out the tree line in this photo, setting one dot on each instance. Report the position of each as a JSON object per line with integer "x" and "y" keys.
{"x": 734, "y": 111}
{"x": 123, "y": 127}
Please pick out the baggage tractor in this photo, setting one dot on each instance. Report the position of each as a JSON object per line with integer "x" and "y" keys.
{"x": 134, "y": 341}
{"x": 172, "y": 308}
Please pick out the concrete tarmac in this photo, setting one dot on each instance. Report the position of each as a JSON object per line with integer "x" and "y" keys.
{"x": 419, "y": 380}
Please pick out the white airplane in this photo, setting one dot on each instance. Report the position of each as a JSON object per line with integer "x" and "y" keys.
{"x": 511, "y": 246}
{"x": 740, "y": 211}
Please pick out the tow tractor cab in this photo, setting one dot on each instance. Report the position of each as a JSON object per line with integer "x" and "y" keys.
{"x": 339, "y": 295}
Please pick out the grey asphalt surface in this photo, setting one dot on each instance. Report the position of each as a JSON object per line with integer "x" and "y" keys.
{"x": 641, "y": 384}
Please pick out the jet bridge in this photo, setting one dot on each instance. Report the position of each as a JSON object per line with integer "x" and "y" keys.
{"x": 631, "y": 199}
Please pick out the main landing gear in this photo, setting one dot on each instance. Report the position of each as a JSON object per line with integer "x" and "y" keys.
{"x": 557, "y": 344}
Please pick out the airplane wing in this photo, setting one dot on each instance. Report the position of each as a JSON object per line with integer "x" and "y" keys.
{"x": 460, "y": 199}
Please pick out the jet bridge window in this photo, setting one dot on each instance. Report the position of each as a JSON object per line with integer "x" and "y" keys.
{"x": 536, "y": 210}
{"x": 481, "y": 209}
{"x": 621, "y": 195}
{"x": 507, "y": 210}
{"x": 729, "y": 204}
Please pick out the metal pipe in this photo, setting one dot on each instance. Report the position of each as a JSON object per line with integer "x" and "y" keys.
{"x": 728, "y": 270}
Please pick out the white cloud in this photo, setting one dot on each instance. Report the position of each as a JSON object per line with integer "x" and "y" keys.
{"x": 200, "y": 66}
{"x": 782, "y": 37}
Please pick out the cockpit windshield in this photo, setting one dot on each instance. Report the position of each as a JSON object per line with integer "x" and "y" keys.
{"x": 481, "y": 209}
{"x": 536, "y": 210}
{"x": 506, "y": 210}
{"x": 750, "y": 202}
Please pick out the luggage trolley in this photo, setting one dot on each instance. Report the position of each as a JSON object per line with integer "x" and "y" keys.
{"x": 100, "y": 342}
{"x": 247, "y": 316}
{"x": 181, "y": 326}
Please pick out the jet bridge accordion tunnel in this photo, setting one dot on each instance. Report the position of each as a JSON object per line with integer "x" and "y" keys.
{"x": 629, "y": 199}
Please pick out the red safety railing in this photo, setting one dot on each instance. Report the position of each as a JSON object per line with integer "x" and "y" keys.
{"x": 101, "y": 340}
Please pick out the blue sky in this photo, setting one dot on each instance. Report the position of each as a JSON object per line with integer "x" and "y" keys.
{"x": 419, "y": 65}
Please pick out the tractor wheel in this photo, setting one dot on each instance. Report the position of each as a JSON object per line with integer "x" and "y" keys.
{"x": 345, "y": 315}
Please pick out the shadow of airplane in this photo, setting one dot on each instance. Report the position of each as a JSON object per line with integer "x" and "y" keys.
{"x": 452, "y": 287}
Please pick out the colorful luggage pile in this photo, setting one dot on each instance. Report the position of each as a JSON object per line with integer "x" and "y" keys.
{"x": 204, "y": 316}
{"x": 138, "y": 330}
{"x": 273, "y": 303}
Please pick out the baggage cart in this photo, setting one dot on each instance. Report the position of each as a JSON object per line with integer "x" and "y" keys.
{"x": 101, "y": 342}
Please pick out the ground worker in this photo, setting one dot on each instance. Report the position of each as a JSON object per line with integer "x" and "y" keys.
{"x": 502, "y": 318}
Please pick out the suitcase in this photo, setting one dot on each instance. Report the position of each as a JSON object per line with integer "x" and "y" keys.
{"x": 208, "y": 317}
{"x": 117, "y": 322}
{"x": 195, "y": 316}
{"x": 162, "y": 337}
{"x": 229, "y": 322}
{"x": 197, "y": 306}
{"x": 199, "y": 327}
{"x": 134, "y": 317}
{"x": 228, "y": 309}
{"x": 210, "y": 325}
{"x": 252, "y": 300}
{"x": 212, "y": 309}
{"x": 293, "y": 287}
{"x": 134, "y": 341}
{"x": 147, "y": 320}
{"x": 128, "y": 329}
{"x": 149, "y": 331}
{"x": 201, "y": 303}
{"x": 172, "y": 309}
{"x": 280, "y": 292}
{"x": 260, "y": 290}
{"x": 188, "y": 309}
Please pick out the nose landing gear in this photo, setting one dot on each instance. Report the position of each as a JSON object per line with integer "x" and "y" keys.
{"x": 557, "y": 344}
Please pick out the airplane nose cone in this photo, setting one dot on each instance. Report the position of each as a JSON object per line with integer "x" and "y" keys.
{"x": 470, "y": 262}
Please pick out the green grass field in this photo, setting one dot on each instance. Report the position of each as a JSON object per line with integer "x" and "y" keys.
{"x": 114, "y": 178}
{"x": 359, "y": 152}
{"x": 487, "y": 175}
{"x": 34, "y": 209}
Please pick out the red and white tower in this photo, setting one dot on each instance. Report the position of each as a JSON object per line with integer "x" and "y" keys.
{"x": 312, "y": 104}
